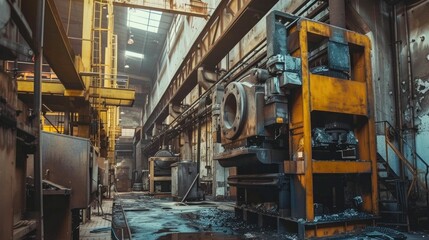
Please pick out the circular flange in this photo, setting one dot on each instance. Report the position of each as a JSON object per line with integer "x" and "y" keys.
{"x": 233, "y": 110}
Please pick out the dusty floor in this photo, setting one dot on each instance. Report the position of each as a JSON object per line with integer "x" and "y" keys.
{"x": 159, "y": 218}
{"x": 98, "y": 228}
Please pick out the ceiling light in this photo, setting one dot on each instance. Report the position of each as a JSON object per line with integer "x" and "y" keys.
{"x": 134, "y": 54}
{"x": 127, "y": 66}
{"x": 130, "y": 38}
{"x": 122, "y": 112}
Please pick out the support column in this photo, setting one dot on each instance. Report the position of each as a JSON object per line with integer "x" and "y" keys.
{"x": 40, "y": 25}
{"x": 84, "y": 122}
{"x": 67, "y": 122}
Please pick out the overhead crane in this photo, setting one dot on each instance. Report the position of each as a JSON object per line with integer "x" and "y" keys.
{"x": 195, "y": 8}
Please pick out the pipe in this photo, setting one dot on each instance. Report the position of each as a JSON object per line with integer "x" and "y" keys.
{"x": 337, "y": 13}
{"x": 189, "y": 190}
{"x": 126, "y": 224}
{"x": 410, "y": 86}
{"x": 38, "y": 68}
{"x": 199, "y": 147}
{"x": 396, "y": 75}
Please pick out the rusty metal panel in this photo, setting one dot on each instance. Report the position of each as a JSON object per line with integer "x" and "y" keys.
{"x": 7, "y": 155}
{"x": 336, "y": 95}
{"x": 66, "y": 161}
{"x": 418, "y": 39}
{"x": 294, "y": 167}
{"x": 330, "y": 167}
{"x": 419, "y": 50}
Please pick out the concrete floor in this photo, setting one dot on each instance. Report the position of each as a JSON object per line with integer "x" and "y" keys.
{"x": 101, "y": 224}
{"x": 160, "y": 218}
{"x": 152, "y": 217}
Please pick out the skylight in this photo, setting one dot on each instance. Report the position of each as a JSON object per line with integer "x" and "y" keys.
{"x": 146, "y": 20}
{"x": 134, "y": 54}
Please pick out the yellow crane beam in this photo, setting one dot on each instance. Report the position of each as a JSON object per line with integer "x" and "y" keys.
{"x": 108, "y": 96}
{"x": 195, "y": 8}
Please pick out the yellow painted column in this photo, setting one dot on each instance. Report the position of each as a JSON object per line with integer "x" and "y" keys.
{"x": 88, "y": 15}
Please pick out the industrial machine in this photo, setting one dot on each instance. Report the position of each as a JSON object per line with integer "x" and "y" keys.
{"x": 160, "y": 171}
{"x": 299, "y": 129}
{"x": 184, "y": 176}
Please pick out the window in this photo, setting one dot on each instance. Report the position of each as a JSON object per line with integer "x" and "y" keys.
{"x": 146, "y": 20}
{"x": 133, "y": 54}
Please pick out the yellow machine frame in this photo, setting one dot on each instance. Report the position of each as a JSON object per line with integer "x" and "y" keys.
{"x": 329, "y": 94}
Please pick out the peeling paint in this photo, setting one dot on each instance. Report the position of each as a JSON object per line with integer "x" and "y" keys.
{"x": 422, "y": 86}
{"x": 424, "y": 123}
{"x": 417, "y": 108}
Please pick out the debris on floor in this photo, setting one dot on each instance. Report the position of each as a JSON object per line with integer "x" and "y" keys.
{"x": 160, "y": 218}
{"x": 151, "y": 217}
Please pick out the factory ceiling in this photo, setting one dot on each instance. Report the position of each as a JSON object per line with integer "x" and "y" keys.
{"x": 141, "y": 38}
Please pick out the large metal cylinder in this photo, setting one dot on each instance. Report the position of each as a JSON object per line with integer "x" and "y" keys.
{"x": 163, "y": 165}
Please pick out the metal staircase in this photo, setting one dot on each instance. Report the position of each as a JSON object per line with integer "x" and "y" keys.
{"x": 392, "y": 196}
{"x": 398, "y": 193}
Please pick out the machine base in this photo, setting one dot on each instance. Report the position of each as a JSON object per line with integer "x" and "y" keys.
{"x": 302, "y": 228}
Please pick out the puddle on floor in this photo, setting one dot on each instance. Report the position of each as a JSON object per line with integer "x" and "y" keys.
{"x": 199, "y": 236}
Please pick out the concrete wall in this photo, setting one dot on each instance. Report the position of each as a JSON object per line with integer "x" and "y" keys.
{"x": 184, "y": 30}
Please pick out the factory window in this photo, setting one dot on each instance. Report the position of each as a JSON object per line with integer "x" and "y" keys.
{"x": 146, "y": 20}
{"x": 175, "y": 31}
{"x": 133, "y": 54}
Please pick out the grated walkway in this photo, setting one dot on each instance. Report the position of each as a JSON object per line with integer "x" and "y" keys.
{"x": 98, "y": 223}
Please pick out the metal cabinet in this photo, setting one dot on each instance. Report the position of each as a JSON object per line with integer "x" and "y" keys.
{"x": 69, "y": 161}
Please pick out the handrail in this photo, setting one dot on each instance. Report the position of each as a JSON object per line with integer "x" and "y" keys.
{"x": 405, "y": 142}
{"x": 403, "y": 159}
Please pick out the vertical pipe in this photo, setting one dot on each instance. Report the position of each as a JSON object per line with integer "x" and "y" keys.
{"x": 386, "y": 137}
{"x": 37, "y": 110}
{"x": 396, "y": 75}
{"x": 199, "y": 149}
{"x": 410, "y": 87}
{"x": 67, "y": 122}
{"x": 337, "y": 13}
